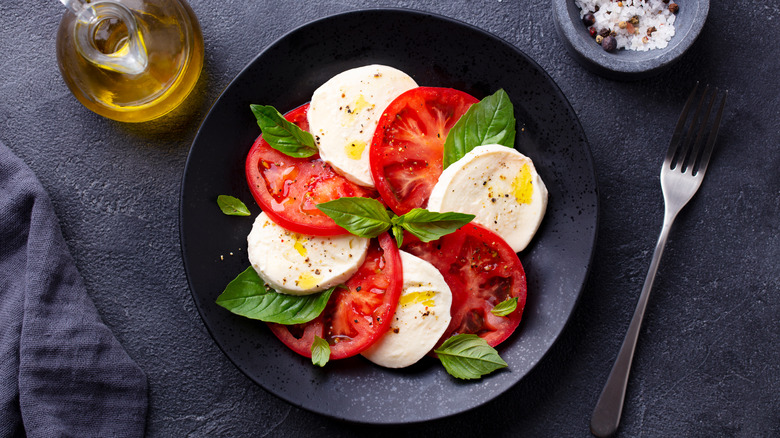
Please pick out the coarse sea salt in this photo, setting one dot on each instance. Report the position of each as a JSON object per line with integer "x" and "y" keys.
{"x": 617, "y": 17}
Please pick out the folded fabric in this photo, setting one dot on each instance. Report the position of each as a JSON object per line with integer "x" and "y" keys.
{"x": 62, "y": 371}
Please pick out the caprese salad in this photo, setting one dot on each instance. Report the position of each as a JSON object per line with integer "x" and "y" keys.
{"x": 391, "y": 219}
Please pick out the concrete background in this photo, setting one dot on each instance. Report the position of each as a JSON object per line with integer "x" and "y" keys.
{"x": 709, "y": 353}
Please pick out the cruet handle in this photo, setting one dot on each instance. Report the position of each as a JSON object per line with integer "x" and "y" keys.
{"x": 77, "y": 7}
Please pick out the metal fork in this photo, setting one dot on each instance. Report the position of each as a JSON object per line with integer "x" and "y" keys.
{"x": 681, "y": 175}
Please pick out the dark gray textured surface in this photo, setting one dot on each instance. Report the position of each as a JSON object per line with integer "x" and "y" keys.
{"x": 708, "y": 357}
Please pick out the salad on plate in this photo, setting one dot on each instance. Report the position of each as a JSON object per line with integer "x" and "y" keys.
{"x": 392, "y": 215}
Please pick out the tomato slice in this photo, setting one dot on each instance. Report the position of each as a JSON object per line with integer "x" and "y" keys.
{"x": 355, "y": 317}
{"x": 288, "y": 189}
{"x": 482, "y": 271}
{"x": 408, "y": 144}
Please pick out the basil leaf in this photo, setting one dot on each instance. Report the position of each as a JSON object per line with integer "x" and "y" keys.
{"x": 467, "y": 356}
{"x": 505, "y": 307}
{"x": 232, "y": 206}
{"x": 248, "y": 296}
{"x": 489, "y": 121}
{"x": 282, "y": 135}
{"x": 398, "y": 233}
{"x": 364, "y": 217}
{"x": 320, "y": 351}
{"x": 430, "y": 225}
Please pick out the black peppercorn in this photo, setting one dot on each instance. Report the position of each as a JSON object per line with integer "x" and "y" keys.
{"x": 604, "y": 32}
{"x": 609, "y": 43}
{"x": 673, "y": 8}
{"x": 588, "y": 19}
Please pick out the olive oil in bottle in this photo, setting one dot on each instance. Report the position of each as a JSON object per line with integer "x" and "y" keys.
{"x": 130, "y": 60}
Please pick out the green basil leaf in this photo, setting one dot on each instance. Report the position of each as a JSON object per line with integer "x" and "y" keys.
{"x": 282, "y": 135}
{"x": 232, "y": 206}
{"x": 320, "y": 351}
{"x": 398, "y": 233}
{"x": 429, "y": 225}
{"x": 489, "y": 121}
{"x": 467, "y": 356}
{"x": 505, "y": 307}
{"x": 248, "y": 296}
{"x": 364, "y": 217}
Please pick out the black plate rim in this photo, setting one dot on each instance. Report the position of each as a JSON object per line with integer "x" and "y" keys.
{"x": 417, "y": 13}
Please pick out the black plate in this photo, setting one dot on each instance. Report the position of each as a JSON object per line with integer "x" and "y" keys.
{"x": 435, "y": 51}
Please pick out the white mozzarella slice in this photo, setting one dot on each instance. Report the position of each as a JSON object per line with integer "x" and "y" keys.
{"x": 422, "y": 315}
{"x": 299, "y": 264}
{"x": 500, "y": 186}
{"x": 345, "y": 111}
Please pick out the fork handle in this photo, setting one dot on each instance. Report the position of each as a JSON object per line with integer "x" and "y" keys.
{"x": 606, "y": 415}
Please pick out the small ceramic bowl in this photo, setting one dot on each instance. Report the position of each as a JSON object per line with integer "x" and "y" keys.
{"x": 628, "y": 64}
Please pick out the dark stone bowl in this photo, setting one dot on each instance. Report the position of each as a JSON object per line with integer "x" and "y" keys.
{"x": 628, "y": 64}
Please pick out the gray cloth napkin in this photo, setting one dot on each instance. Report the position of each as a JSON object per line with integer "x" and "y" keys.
{"x": 62, "y": 371}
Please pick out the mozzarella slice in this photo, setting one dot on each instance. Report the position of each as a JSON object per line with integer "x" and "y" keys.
{"x": 345, "y": 111}
{"x": 500, "y": 186}
{"x": 422, "y": 315}
{"x": 299, "y": 264}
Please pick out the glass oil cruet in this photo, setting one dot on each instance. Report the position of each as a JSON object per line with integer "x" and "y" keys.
{"x": 130, "y": 60}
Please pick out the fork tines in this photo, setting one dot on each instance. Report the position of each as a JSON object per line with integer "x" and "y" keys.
{"x": 690, "y": 153}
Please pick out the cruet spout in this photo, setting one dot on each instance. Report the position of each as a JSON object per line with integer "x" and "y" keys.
{"x": 107, "y": 35}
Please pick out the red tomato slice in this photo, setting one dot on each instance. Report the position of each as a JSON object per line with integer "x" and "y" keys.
{"x": 288, "y": 189}
{"x": 408, "y": 144}
{"x": 482, "y": 271}
{"x": 354, "y": 318}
